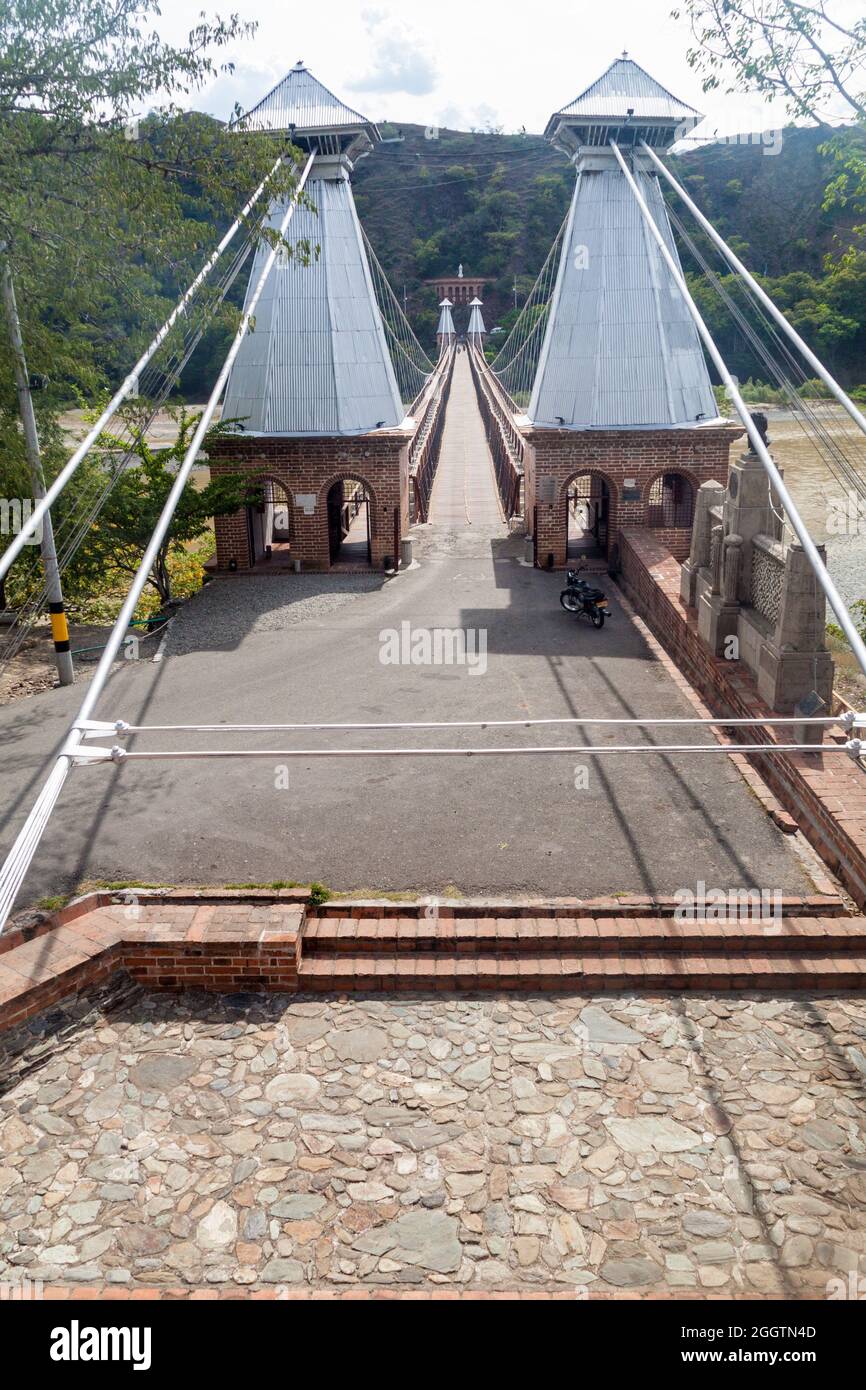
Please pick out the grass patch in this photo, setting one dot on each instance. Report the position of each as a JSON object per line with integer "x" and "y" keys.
{"x": 120, "y": 886}
{"x": 275, "y": 887}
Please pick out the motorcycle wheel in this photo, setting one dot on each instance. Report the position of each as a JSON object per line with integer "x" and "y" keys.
{"x": 570, "y": 601}
{"x": 597, "y": 617}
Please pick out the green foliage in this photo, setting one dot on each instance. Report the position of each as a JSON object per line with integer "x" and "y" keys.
{"x": 491, "y": 201}
{"x": 858, "y": 613}
{"x": 808, "y": 55}
{"x": 128, "y": 519}
{"x": 106, "y": 213}
{"x": 319, "y": 894}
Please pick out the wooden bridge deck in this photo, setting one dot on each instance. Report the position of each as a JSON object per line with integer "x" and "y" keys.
{"x": 464, "y": 491}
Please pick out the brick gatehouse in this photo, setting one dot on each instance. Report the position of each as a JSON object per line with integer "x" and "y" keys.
{"x": 583, "y": 487}
{"x": 313, "y": 479}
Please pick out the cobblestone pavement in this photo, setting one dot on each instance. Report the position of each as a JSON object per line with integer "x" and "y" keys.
{"x": 694, "y": 1144}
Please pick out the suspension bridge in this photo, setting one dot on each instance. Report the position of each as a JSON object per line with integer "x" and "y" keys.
{"x": 594, "y": 434}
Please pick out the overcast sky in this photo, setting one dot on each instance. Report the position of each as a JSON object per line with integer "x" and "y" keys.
{"x": 461, "y": 63}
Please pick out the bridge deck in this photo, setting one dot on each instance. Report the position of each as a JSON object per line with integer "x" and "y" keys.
{"x": 464, "y": 491}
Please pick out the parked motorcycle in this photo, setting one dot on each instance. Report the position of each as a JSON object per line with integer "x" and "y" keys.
{"x": 584, "y": 599}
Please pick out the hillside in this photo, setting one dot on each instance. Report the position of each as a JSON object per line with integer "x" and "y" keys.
{"x": 495, "y": 202}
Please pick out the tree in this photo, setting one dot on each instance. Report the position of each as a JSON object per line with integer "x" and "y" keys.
{"x": 805, "y": 53}
{"x": 128, "y": 519}
{"x": 110, "y": 200}
{"x": 786, "y": 48}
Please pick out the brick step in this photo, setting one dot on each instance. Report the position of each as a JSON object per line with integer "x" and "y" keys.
{"x": 605, "y": 936}
{"x": 631, "y": 905}
{"x": 587, "y": 972}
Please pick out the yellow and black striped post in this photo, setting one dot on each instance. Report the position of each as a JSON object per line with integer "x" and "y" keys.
{"x": 54, "y": 590}
{"x": 62, "y": 644}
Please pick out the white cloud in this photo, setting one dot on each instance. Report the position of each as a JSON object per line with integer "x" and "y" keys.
{"x": 246, "y": 86}
{"x": 398, "y": 62}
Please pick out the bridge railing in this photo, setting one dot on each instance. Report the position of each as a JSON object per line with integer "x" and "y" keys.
{"x": 427, "y": 442}
{"x": 506, "y": 443}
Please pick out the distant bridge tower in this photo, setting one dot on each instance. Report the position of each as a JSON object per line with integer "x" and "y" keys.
{"x": 624, "y": 423}
{"x": 445, "y": 334}
{"x": 314, "y": 384}
{"x": 476, "y": 332}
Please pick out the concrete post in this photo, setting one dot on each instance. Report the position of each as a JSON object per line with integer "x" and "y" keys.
{"x": 54, "y": 590}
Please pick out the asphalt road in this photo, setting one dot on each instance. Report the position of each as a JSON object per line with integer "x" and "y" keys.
{"x": 644, "y": 823}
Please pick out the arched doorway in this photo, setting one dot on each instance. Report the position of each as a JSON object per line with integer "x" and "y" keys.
{"x": 350, "y": 521}
{"x": 587, "y": 517}
{"x": 270, "y": 527}
{"x": 671, "y": 502}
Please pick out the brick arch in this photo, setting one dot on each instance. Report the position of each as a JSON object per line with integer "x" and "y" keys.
{"x": 691, "y": 477}
{"x": 282, "y": 484}
{"x": 270, "y": 477}
{"x": 691, "y": 474}
{"x": 613, "y": 498}
{"x": 377, "y": 532}
{"x": 591, "y": 471}
{"x": 352, "y": 475}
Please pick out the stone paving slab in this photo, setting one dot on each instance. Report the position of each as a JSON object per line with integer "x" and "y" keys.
{"x": 627, "y": 1145}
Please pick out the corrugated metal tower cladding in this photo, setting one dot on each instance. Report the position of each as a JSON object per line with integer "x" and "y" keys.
{"x": 476, "y": 329}
{"x": 621, "y": 349}
{"x": 318, "y": 360}
{"x": 314, "y": 383}
{"x": 622, "y": 379}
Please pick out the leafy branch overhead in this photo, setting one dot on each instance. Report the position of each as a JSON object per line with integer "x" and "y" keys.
{"x": 810, "y": 56}
{"x": 110, "y": 200}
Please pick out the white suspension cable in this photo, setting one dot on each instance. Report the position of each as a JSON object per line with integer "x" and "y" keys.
{"x": 129, "y": 386}
{"x": 71, "y": 529}
{"x": 98, "y": 728}
{"x": 807, "y": 417}
{"x": 834, "y": 598}
{"x": 21, "y": 855}
{"x": 854, "y": 748}
{"x": 830, "y": 381}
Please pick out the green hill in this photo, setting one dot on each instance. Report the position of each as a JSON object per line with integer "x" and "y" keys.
{"x": 495, "y": 203}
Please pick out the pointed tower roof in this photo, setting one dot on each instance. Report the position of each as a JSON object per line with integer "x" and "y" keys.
{"x": 476, "y": 327}
{"x": 302, "y": 105}
{"x": 620, "y": 348}
{"x": 318, "y": 361}
{"x": 446, "y": 321}
{"x": 624, "y": 95}
{"x": 626, "y": 84}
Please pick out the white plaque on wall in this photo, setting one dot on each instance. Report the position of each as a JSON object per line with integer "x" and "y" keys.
{"x": 306, "y": 501}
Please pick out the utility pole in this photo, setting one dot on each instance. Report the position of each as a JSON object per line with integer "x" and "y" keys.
{"x": 514, "y": 287}
{"x": 59, "y": 625}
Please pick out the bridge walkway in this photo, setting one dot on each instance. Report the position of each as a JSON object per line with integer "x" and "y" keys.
{"x": 464, "y": 491}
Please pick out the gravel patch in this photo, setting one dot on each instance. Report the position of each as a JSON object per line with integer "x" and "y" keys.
{"x": 846, "y": 561}
{"x": 228, "y": 610}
